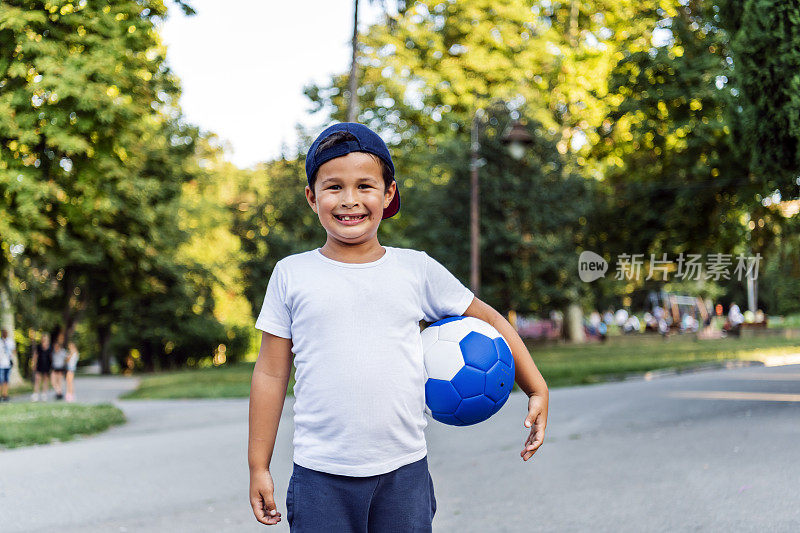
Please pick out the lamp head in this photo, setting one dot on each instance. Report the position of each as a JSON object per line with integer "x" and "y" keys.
{"x": 517, "y": 138}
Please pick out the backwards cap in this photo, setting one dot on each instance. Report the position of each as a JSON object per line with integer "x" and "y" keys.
{"x": 366, "y": 141}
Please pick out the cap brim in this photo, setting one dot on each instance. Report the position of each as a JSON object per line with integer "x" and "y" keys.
{"x": 394, "y": 205}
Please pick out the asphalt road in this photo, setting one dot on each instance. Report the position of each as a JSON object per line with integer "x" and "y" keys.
{"x": 710, "y": 451}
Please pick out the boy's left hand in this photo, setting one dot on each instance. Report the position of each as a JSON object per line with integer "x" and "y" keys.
{"x": 537, "y": 421}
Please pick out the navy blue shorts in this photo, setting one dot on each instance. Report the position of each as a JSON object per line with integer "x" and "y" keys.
{"x": 401, "y": 501}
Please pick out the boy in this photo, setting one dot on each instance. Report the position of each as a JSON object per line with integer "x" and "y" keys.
{"x": 350, "y": 312}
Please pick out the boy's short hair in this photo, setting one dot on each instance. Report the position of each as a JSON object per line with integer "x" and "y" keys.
{"x": 341, "y": 137}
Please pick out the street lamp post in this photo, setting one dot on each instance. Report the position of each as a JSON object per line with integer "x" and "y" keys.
{"x": 517, "y": 138}
{"x": 475, "y": 236}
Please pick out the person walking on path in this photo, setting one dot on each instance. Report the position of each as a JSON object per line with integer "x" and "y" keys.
{"x": 59, "y": 366}
{"x": 350, "y": 313}
{"x": 7, "y": 349}
{"x": 42, "y": 364}
{"x": 72, "y": 365}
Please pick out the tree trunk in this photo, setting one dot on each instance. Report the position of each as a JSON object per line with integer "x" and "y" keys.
{"x": 104, "y": 336}
{"x": 7, "y": 321}
{"x": 573, "y": 324}
{"x": 352, "y": 104}
{"x": 147, "y": 356}
{"x": 163, "y": 359}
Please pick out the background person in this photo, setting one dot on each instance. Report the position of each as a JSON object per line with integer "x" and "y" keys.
{"x": 735, "y": 319}
{"x": 595, "y": 319}
{"x": 6, "y": 360}
{"x": 632, "y": 325}
{"x": 72, "y": 365}
{"x": 620, "y": 317}
{"x": 42, "y": 364}
{"x": 59, "y": 366}
{"x": 688, "y": 323}
{"x": 650, "y": 322}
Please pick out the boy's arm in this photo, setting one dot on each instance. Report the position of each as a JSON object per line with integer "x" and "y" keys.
{"x": 267, "y": 394}
{"x": 526, "y": 375}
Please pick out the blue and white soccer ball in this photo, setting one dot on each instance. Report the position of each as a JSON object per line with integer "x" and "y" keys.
{"x": 469, "y": 370}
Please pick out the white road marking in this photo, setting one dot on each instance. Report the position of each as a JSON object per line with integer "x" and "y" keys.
{"x": 732, "y": 395}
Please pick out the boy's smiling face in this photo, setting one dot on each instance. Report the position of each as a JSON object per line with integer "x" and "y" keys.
{"x": 349, "y": 197}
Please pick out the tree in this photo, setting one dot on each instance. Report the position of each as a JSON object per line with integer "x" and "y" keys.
{"x": 78, "y": 83}
{"x": 677, "y": 176}
{"x": 95, "y": 157}
{"x": 671, "y": 179}
{"x": 779, "y": 276}
{"x": 765, "y": 49}
{"x": 272, "y": 219}
{"x": 532, "y": 217}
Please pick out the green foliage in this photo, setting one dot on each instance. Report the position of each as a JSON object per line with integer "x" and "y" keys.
{"x": 659, "y": 127}
{"x": 531, "y": 218}
{"x": 273, "y": 220}
{"x": 779, "y": 277}
{"x": 94, "y": 159}
{"x": 425, "y": 73}
{"x": 230, "y": 381}
{"x": 765, "y": 46}
{"x": 678, "y": 174}
{"x": 667, "y": 148}
{"x": 645, "y": 97}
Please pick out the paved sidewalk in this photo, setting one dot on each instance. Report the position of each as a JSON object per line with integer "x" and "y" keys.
{"x": 92, "y": 389}
{"x": 711, "y": 451}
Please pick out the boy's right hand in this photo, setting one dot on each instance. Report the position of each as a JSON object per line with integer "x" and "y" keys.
{"x": 261, "y": 498}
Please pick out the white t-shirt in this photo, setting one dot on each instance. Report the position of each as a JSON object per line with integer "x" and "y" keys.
{"x": 59, "y": 358}
{"x": 7, "y": 346}
{"x": 359, "y": 389}
{"x": 72, "y": 361}
{"x": 735, "y": 315}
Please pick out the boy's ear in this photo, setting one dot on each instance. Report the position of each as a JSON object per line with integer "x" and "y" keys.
{"x": 389, "y": 194}
{"x": 312, "y": 201}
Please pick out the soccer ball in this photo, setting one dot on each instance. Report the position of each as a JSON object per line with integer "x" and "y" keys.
{"x": 469, "y": 370}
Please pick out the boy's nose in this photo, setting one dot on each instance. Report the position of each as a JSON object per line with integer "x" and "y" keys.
{"x": 349, "y": 199}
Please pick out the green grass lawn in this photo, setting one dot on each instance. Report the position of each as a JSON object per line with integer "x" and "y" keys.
{"x": 575, "y": 365}
{"x": 789, "y": 321}
{"x": 22, "y": 424}
{"x": 223, "y": 382}
{"x": 562, "y": 365}
{"x": 25, "y": 388}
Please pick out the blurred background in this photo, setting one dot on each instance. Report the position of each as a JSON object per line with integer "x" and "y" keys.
{"x": 619, "y": 178}
{"x": 147, "y": 233}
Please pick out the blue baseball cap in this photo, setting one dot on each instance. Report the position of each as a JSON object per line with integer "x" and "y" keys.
{"x": 366, "y": 141}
